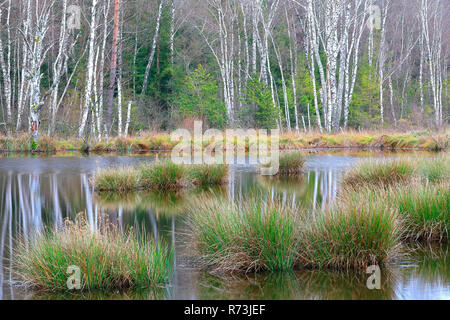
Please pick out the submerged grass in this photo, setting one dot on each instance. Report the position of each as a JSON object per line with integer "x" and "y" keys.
{"x": 108, "y": 258}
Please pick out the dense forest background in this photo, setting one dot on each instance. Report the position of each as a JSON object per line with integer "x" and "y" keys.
{"x": 116, "y": 67}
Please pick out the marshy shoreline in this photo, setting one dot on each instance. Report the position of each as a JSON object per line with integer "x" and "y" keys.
{"x": 153, "y": 142}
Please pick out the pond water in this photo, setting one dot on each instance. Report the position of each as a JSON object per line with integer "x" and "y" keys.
{"x": 43, "y": 191}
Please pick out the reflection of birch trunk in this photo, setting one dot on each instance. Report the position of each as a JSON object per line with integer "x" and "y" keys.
{"x": 23, "y": 206}
{"x": 154, "y": 225}
{"x": 35, "y": 199}
{"x": 316, "y": 187}
{"x": 89, "y": 204}
{"x": 55, "y": 197}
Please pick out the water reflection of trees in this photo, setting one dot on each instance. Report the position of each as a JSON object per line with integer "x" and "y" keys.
{"x": 304, "y": 284}
{"x": 316, "y": 188}
{"x": 30, "y": 201}
{"x": 426, "y": 272}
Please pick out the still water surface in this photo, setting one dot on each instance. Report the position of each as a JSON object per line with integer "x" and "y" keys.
{"x": 37, "y": 192}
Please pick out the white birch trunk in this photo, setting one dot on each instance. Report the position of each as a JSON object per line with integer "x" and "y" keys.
{"x": 6, "y": 70}
{"x": 127, "y": 123}
{"x": 152, "y": 53}
{"x": 23, "y": 90}
{"x": 58, "y": 69}
{"x": 90, "y": 70}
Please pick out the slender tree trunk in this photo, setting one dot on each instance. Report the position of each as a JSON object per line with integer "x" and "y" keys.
{"x": 58, "y": 69}
{"x": 6, "y": 70}
{"x": 37, "y": 56}
{"x": 106, "y": 7}
{"x": 152, "y": 54}
{"x": 90, "y": 70}
{"x": 382, "y": 58}
{"x": 23, "y": 91}
{"x": 113, "y": 70}
{"x": 391, "y": 91}
{"x": 127, "y": 124}
{"x": 172, "y": 32}
{"x": 293, "y": 72}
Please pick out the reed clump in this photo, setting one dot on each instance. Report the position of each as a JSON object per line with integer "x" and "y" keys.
{"x": 161, "y": 175}
{"x": 424, "y": 209}
{"x": 354, "y": 234}
{"x": 291, "y": 163}
{"x": 208, "y": 175}
{"x": 263, "y": 235}
{"x": 108, "y": 258}
{"x": 379, "y": 173}
{"x": 434, "y": 170}
{"x": 398, "y": 171}
{"x": 256, "y": 236}
{"x": 120, "y": 179}
{"x": 164, "y": 175}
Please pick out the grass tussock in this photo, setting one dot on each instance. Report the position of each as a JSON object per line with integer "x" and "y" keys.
{"x": 434, "y": 170}
{"x": 379, "y": 173}
{"x": 291, "y": 163}
{"x": 399, "y": 171}
{"x": 255, "y": 236}
{"x": 425, "y": 211}
{"x": 116, "y": 179}
{"x": 160, "y": 175}
{"x": 268, "y": 236}
{"x": 423, "y": 208}
{"x": 108, "y": 259}
{"x": 354, "y": 234}
{"x": 208, "y": 175}
{"x": 164, "y": 175}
